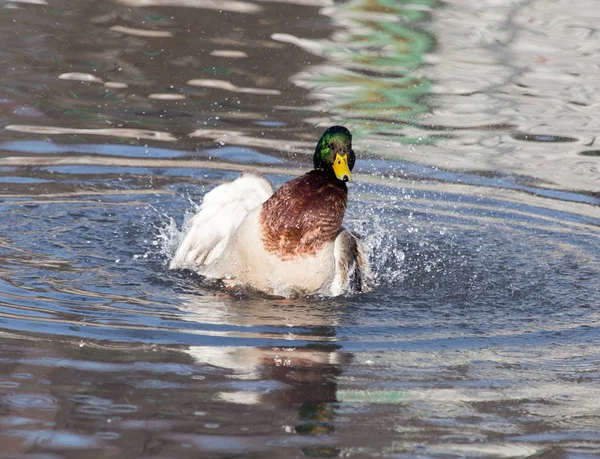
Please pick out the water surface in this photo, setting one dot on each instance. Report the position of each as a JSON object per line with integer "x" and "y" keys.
{"x": 476, "y": 193}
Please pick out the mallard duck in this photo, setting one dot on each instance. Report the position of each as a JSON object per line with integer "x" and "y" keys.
{"x": 289, "y": 242}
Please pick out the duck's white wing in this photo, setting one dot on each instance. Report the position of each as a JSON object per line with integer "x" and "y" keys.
{"x": 222, "y": 210}
{"x": 352, "y": 270}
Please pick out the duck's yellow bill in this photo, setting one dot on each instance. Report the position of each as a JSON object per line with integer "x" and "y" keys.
{"x": 340, "y": 168}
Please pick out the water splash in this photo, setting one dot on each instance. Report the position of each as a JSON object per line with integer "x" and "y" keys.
{"x": 169, "y": 235}
{"x": 383, "y": 247}
{"x": 382, "y": 243}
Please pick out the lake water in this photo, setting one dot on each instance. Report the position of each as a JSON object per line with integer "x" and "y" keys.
{"x": 477, "y": 192}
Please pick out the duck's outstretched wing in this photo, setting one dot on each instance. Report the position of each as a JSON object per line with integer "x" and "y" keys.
{"x": 222, "y": 210}
{"x": 352, "y": 270}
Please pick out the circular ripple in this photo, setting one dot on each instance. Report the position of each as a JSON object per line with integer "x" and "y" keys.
{"x": 25, "y": 401}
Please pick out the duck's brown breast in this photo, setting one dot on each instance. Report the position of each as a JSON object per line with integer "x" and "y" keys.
{"x": 303, "y": 214}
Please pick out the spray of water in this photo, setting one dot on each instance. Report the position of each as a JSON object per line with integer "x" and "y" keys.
{"x": 383, "y": 246}
{"x": 382, "y": 243}
{"x": 169, "y": 235}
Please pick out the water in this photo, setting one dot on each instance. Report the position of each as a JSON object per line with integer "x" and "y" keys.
{"x": 476, "y": 192}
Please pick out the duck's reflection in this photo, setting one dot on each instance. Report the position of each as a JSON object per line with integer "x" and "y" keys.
{"x": 301, "y": 378}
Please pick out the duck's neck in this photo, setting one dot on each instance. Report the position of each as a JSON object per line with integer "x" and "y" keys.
{"x": 326, "y": 173}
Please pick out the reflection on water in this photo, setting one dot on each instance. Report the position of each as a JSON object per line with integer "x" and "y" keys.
{"x": 465, "y": 89}
{"x": 530, "y": 67}
{"x": 368, "y": 78}
{"x": 481, "y": 336}
{"x": 496, "y": 93}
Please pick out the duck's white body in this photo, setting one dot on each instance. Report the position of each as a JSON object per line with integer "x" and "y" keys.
{"x": 224, "y": 240}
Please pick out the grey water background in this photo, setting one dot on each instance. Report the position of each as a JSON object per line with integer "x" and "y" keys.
{"x": 477, "y": 193}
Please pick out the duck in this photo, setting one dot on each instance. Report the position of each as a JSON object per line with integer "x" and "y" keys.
{"x": 288, "y": 242}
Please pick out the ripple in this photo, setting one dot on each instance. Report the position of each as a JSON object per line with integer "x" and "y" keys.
{"x": 473, "y": 192}
{"x": 160, "y": 385}
{"x": 235, "y": 6}
{"x": 56, "y": 439}
{"x": 420, "y": 240}
{"x": 76, "y": 76}
{"x": 94, "y": 410}
{"x": 228, "y": 53}
{"x": 166, "y": 96}
{"x": 9, "y": 384}
{"x": 542, "y": 138}
{"x": 141, "y": 32}
{"x": 228, "y": 86}
{"x": 584, "y": 422}
{"x": 123, "y": 409}
{"x": 490, "y": 449}
{"x": 90, "y": 400}
{"x": 106, "y": 435}
{"x": 112, "y": 132}
{"x": 25, "y": 401}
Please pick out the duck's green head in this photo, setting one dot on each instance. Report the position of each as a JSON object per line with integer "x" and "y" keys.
{"x": 334, "y": 153}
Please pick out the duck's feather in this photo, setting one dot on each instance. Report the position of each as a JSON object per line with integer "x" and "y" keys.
{"x": 352, "y": 270}
{"x": 303, "y": 214}
{"x": 246, "y": 261}
{"x": 222, "y": 210}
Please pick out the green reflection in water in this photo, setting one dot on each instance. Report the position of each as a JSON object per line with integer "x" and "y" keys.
{"x": 380, "y": 47}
